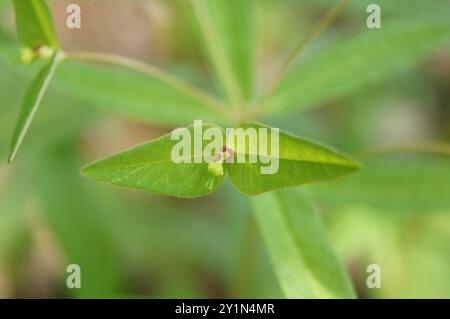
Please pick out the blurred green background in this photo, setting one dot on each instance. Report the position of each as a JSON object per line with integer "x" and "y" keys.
{"x": 395, "y": 212}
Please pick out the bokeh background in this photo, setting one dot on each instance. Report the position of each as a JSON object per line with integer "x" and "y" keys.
{"x": 395, "y": 212}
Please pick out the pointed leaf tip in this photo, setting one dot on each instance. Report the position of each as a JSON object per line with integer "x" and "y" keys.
{"x": 31, "y": 102}
{"x": 291, "y": 161}
{"x": 151, "y": 167}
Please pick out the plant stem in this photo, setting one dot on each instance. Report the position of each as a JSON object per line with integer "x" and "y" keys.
{"x": 217, "y": 52}
{"x": 199, "y": 95}
{"x": 433, "y": 147}
{"x": 322, "y": 25}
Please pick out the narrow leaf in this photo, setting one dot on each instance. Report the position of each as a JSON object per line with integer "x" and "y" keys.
{"x": 125, "y": 93}
{"x": 228, "y": 29}
{"x": 304, "y": 261}
{"x": 34, "y": 23}
{"x": 236, "y": 24}
{"x": 31, "y": 102}
{"x": 150, "y": 167}
{"x": 353, "y": 64}
{"x": 392, "y": 184}
{"x": 132, "y": 94}
{"x": 299, "y": 161}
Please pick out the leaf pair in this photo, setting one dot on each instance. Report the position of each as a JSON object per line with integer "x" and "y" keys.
{"x": 150, "y": 166}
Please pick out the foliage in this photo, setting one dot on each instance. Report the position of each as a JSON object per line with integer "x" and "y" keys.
{"x": 304, "y": 262}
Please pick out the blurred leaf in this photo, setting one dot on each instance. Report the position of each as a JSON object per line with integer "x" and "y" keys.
{"x": 228, "y": 28}
{"x": 300, "y": 161}
{"x": 353, "y": 64}
{"x": 411, "y": 249}
{"x": 31, "y": 102}
{"x": 132, "y": 94}
{"x": 393, "y": 184}
{"x": 34, "y": 23}
{"x": 304, "y": 262}
{"x": 13, "y": 219}
{"x": 78, "y": 217}
{"x": 122, "y": 92}
{"x": 150, "y": 167}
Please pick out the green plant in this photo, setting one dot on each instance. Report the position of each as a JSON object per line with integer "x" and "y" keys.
{"x": 304, "y": 262}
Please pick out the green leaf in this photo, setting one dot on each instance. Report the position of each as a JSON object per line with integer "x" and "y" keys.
{"x": 31, "y": 102}
{"x": 300, "y": 161}
{"x": 228, "y": 29}
{"x": 150, "y": 167}
{"x": 236, "y": 22}
{"x": 304, "y": 261}
{"x": 125, "y": 93}
{"x": 353, "y": 64}
{"x": 34, "y": 23}
{"x": 131, "y": 94}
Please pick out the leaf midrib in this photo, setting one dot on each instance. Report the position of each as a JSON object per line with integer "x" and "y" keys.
{"x": 348, "y": 164}
{"x": 283, "y": 212}
{"x": 312, "y": 278}
{"x": 146, "y": 163}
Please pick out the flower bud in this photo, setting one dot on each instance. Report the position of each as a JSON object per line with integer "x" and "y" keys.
{"x": 45, "y": 53}
{"x": 26, "y": 55}
{"x": 215, "y": 168}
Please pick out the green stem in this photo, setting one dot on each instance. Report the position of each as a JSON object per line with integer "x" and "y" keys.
{"x": 323, "y": 24}
{"x": 156, "y": 73}
{"x": 320, "y": 27}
